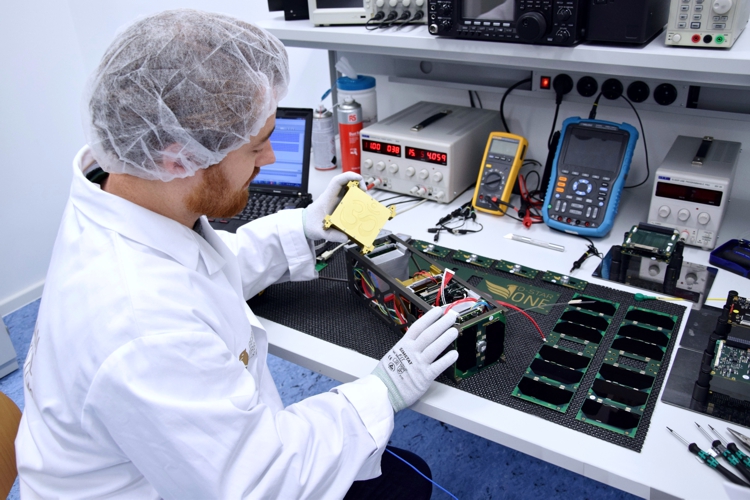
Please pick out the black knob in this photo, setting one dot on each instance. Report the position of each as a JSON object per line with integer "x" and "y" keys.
{"x": 638, "y": 91}
{"x": 445, "y": 25}
{"x": 562, "y": 35}
{"x": 665, "y": 94}
{"x": 563, "y": 14}
{"x": 612, "y": 88}
{"x": 531, "y": 26}
{"x": 493, "y": 181}
{"x": 445, "y": 9}
{"x": 587, "y": 86}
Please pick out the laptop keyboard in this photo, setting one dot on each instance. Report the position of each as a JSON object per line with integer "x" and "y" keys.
{"x": 259, "y": 205}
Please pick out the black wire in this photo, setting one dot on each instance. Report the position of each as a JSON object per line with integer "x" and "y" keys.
{"x": 471, "y": 99}
{"x": 645, "y": 147}
{"x": 478, "y": 100}
{"x": 332, "y": 279}
{"x": 538, "y": 182}
{"x": 554, "y": 124}
{"x": 502, "y": 101}
{"x": 406, "y": 201}
{"x": 377, "y": 17}
{"x": 413, "y": 198}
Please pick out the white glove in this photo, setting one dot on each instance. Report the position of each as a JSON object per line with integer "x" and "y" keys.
{"x": 313, "y": 215}
{"x": 410, "y": 367}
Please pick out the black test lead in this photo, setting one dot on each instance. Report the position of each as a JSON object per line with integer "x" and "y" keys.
{"x": 709, "y": 460}
{"x": 730, "y": 457}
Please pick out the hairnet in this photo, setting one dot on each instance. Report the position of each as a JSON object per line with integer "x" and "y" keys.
{"x": 182, "y": 85}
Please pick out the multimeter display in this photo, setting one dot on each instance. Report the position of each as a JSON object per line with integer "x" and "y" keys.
{"x": 502, "y": 160}
{"x": 588, "y": 174}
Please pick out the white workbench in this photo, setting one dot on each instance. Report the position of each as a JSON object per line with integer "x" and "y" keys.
{"x": 662, "y": 466}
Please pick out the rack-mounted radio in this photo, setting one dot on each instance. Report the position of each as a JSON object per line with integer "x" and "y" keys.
{"x": 544, "y": 22}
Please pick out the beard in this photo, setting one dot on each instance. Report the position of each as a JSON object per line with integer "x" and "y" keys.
{"x": 214, "y": 197}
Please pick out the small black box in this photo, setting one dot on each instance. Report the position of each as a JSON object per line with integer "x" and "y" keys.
{"x": 626, "y": 21}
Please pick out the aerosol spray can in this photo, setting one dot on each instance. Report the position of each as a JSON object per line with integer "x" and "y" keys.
{"x": 323, "y": 139}
{"x": 350, "y": 124}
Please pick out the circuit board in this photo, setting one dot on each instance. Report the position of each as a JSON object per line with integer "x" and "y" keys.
{"x": 473, "y": 259}
{"x": 517, "y": 269}
{"x": 740, "y": 313}
{"x": 651, "y": 241}
{"x": 730, "y": 372}
{"x": 431, "y": 249}
{"x": 563, "y": 280}
{"x": 617, "y": 399}
{"x": 555, "y": 374}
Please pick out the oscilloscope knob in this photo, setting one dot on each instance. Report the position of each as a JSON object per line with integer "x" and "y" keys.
{"x": 380, "y": 3}
{"x": 380, "y": 165}
{"x": 367, "y": 163}
{"x": 423, "y": 174}
{"x": 406, "y": 3}
{"x": 722, "y": 6}
{"x": 419, "y": 2}
{"x": 531, "y": 26}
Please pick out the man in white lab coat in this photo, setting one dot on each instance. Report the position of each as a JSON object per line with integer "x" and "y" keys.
{"x": 147, "y": 372}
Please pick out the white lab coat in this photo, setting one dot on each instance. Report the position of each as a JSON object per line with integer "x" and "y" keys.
{"x": 136, "y": 381}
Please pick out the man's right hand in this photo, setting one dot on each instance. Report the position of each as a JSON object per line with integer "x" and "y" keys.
{"x": 409, "y": 367}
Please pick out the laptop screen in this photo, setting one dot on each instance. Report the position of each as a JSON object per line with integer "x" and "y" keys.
{"x": 288, "y": 142}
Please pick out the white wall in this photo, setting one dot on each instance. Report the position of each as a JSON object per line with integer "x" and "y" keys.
{"x": 47, "y": 50}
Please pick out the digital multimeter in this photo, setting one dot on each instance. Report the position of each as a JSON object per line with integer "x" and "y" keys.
{"x": 503, "y": 158}
{"x": 588, "y": 174}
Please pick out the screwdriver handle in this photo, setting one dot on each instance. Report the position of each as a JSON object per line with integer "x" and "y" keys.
{"x": 711, "y": 462}
{"x": 732, "y": 459}
{"x": 733, "y": 448}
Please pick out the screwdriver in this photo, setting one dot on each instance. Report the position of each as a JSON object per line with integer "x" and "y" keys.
{"x": 719, "y": 447}
{"x": 733, "y": 448}
{"x": 709, "y": 460}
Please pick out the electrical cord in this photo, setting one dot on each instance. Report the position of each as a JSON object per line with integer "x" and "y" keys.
{"x": 377, "y": 17}
{"x": 405, "y": 17}
{"x": 479, "y": 100}
{"x": 420, "y": 473}
{"x": 645, "y": 147}
{"x": 471, "y": 100}
{"x": 389, "y": 20}
{"x": 554, "y": 124}
{"x": 505, "y": 95}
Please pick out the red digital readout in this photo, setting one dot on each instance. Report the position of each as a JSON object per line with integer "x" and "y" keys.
{"x": 426, "y": 155}
{"x": 383, "y": 148}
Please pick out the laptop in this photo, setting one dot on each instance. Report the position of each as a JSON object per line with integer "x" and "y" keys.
{"x": 283, "y": 184}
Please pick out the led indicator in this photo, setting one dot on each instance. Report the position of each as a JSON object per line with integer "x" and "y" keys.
{"x": 545, "y": 82}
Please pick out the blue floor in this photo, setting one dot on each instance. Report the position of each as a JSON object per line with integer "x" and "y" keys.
{"x": 466, "y": 465}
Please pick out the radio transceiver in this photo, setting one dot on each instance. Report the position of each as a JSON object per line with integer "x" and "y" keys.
{"x": 503, "y": 158}
{"x": 331, "y": 12}
{"x": 428, "y": 150}
{"x": 691, "y": 192}
{"x": 544, "y": 22}
{"x": 714, "y": 24}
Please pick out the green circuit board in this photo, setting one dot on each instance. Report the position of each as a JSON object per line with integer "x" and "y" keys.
{"x": 430, "y": 249}
{"x": 564, "y": 280}
{"x": 517, "y": 269}
{"x": 473, "y": 259}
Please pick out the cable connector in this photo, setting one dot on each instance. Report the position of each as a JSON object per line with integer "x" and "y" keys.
{"x": 591, "y": 250}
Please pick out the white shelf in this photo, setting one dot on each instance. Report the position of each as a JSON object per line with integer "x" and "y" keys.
{"x": 656, "y": 60}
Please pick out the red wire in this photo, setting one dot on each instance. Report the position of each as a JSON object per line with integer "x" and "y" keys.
{"x": 525, "y": 314}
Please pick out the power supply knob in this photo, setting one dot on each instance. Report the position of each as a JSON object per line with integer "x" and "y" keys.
{"x": 409, "y": 171}
{"x": 722, "y": 6}
{"x": 683, "y": 214}
{"x": 392, "y": 3}
{"x": 423, "y": 174}
{"x": 439, "y": 195}
{"x": 437, "y": 176}
{"x": 367, "y": 163}
{"x": 691, "y": 278}
{"x": 419, "y": 2}
{"x": 664, "y": 211}
{"x": 703, "y": 218}
{"x": 380, "y": 165}
{"x": 393, "y": 168}
{"x": 406, "y": 3}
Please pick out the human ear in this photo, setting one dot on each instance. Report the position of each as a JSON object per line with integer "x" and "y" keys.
{"x": 172, "y": 160}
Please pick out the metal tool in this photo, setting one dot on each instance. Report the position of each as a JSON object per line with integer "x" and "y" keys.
{"x": 710, "y": 461}
{"x": 741, "y": 438}
{"x": 732, "y": 447}
{"x": 730, "y": 457}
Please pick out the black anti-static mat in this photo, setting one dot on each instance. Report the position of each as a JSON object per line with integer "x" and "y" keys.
{"x": 326, "y": 309}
